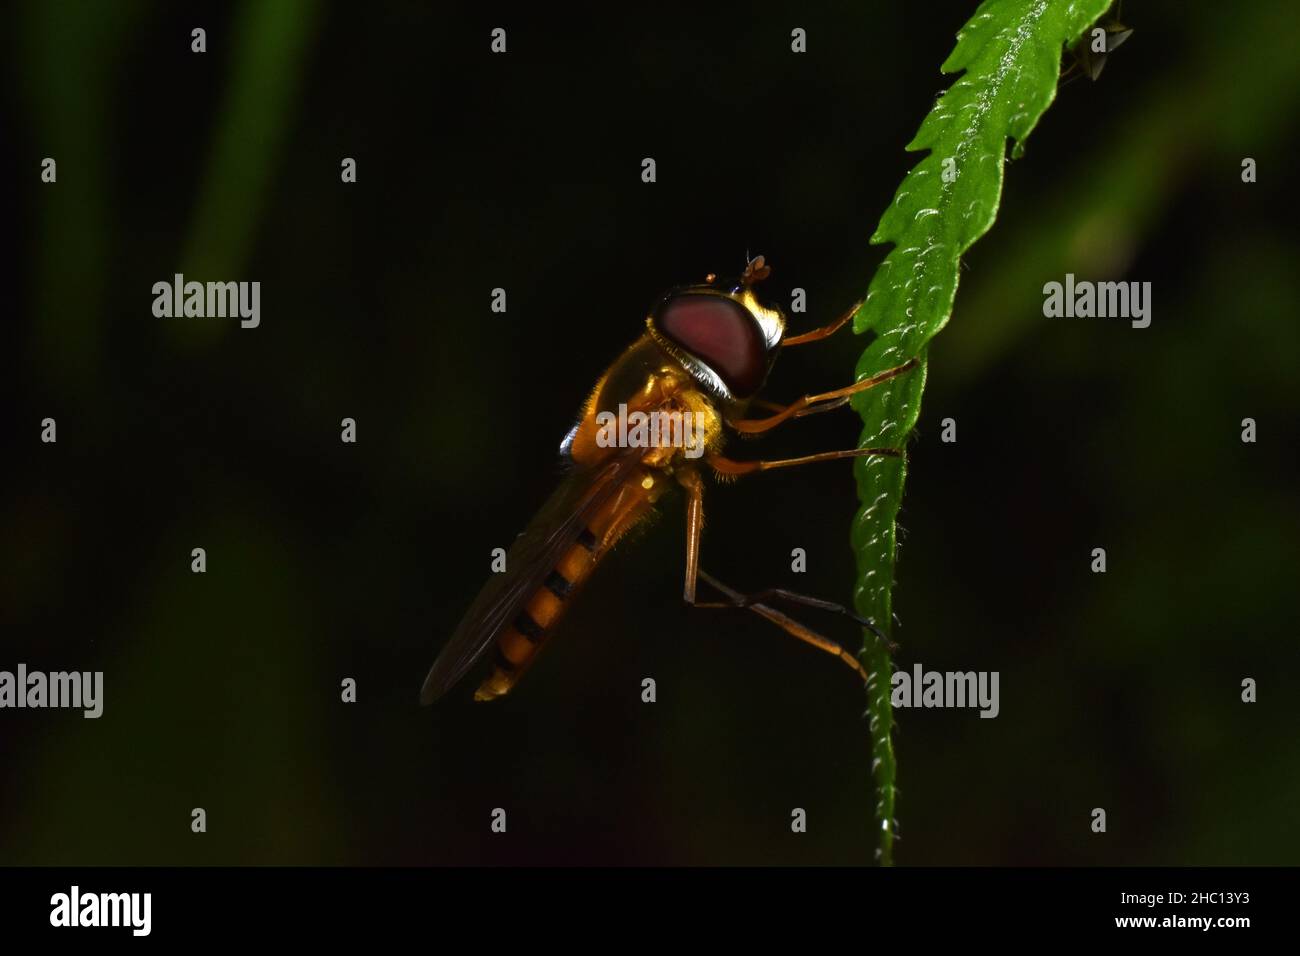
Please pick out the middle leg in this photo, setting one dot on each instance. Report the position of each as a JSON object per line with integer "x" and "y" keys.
{"x": 810, "y": 404}
{"x": 730, "y": 468}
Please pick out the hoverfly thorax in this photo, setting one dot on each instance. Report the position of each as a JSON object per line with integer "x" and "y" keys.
{"x": 720, "y": 332}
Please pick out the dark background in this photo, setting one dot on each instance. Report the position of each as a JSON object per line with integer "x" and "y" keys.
{"x": 328, "y": 561}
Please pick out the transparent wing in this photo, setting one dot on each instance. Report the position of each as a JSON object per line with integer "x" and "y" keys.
{"x": 531, "y": 558}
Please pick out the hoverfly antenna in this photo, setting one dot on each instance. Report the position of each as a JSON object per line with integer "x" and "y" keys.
{"x": 756, "y": 270}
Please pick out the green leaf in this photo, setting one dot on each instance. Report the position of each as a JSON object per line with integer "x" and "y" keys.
{"x": 1010, "y": 51}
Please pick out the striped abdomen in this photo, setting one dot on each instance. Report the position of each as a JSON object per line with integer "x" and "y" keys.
{"x": 520, "y": 641}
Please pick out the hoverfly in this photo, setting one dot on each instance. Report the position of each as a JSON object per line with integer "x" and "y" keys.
{"x": 706, "y": 352}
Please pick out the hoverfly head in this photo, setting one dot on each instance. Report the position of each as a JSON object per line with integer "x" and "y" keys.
{"x": 724, "y": 336}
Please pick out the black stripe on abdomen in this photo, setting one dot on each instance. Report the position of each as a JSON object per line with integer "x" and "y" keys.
{"x": 528, "y": 627}
{"x": 559, "y": 585}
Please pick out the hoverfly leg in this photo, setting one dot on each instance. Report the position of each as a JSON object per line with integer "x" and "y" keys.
{"x": 690, "y": 480}
{"x": 812, "y": 403}
{"x": 767, "y": 595}
{"x": 825, "y": 332}
{"x": 813, "y": 410}
{"x": 792, "y": 627}
{"x": 730, "y": 468}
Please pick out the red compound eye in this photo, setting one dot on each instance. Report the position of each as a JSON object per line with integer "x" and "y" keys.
{"x": 722, "y": 334}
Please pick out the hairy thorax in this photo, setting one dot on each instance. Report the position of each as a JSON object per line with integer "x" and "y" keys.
{"x": 647, "y": 400}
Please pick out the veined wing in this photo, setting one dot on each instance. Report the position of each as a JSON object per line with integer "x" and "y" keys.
{"x": 555, "y": 529}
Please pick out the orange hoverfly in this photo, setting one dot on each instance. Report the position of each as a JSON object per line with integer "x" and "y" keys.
{"x": 706, "y": 352}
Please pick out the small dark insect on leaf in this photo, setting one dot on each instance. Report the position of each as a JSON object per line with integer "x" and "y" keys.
{"x": 1091, "y": 62}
